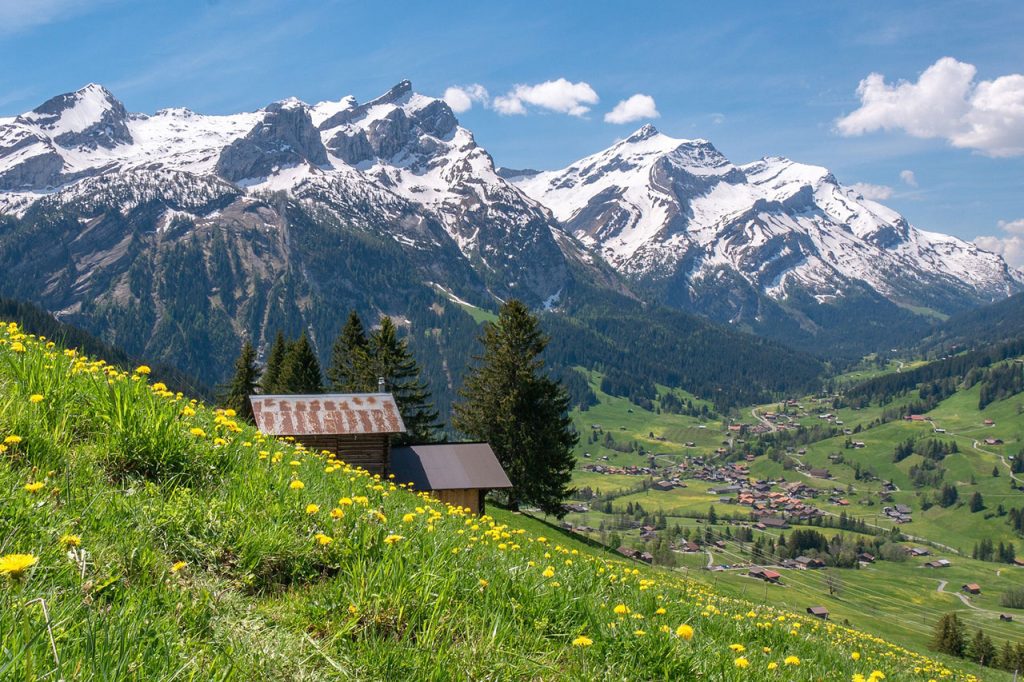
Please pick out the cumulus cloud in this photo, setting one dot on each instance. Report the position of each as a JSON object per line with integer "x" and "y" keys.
{"x": 1011, "y": 246}
{"x": 908, "y": 178}
{"x": 873, "y": 192}
{"x": 461, "y": 97}
{"x": 946, "y": 102}
{"x": 635, "y": 108}
{"x": 562, "y": 96}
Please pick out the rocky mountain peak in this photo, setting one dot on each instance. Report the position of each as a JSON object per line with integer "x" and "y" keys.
{"x": 90, "y": 117}
{"x": 645, "y": 132}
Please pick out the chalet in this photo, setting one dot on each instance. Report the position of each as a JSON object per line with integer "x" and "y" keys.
{"x": 1005, "y": 617}
{"x": 938, "y": 563}
{"x": 993, "y": 441}
{"x": 820, "y": 473}
{"x": 645, "y": 557}
{"x": 971, "y": 588}
{"x": 866, "y": 558}
{"x": 663, "y": 485}
{"x": 903, "y": 509}
{"x": 767, "y": 575}
{"x": 356, "y": 427}
{"x": 918, "y": 551}
{"x": 773, "y": 522}
{"x": 690, "y": 547}
{"x": 1018, "y": 562}
{"x": 628, "y": 553}
{"x": 988, "y": 422}
{"x": 818, "y": 612}
{"x": 809, "y": 563}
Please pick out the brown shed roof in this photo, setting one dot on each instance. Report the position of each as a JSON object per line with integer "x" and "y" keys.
{"x": 326, "y": 414}
{"x": 448, "y": 466}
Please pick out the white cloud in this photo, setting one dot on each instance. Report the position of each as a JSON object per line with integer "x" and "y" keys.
{"x": 718, "y": 119}
{"x": 635, "y": 108}
{"x": 945, "y": 102}
{"x": 1010, "y": 247}
{"x": 461, "y": 97}
{"x": 559, "y": 95}
{"x": 908, "y": 178}
{"x": 873, "y": 192}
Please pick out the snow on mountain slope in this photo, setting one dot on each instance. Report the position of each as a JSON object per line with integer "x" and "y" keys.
{"x": 660, "y": 209}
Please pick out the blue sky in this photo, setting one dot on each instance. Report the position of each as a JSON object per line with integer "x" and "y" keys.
{"x": 755, "y": 78}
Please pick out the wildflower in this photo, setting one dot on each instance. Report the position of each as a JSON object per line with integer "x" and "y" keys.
{"x": 296, "y": 485}
{"x": 772, "y": 665}
{"x": 15, "y": 564}
{"x": 738, "y": 648}
{"x": 741, "y": 662}
{"x": 549, "y": 572}
{"x": 142, "y": 369}
{"x": 12, "y": 440}
{"x": 70, "y": 541}
{"x": 392, "y": 539}
{"x": 345, "y": 502}
{"x": 177, "y": 566}
{"x": 361, "y": 499}
{"x": 34, "y": 487}
{"x": 312, "y": 508}
{"x": 35, "y": 398}
{"x": 408, "y": 518}
{"x": 660, "y": 611}
{"x": 219, "y": 441}
{"x": 582, "y": 640}
{"x": 621, "y": 610}
{"x": 295, "y": 463}
{"x": 684, "y": 631}
{"x": 876, "y": 675}
{"x": 188, "y": 411}
{"x": 337, "y": 513}
{"x": 792, "y": 660}
{"x": 639, "y": 633}
{"x": 197, "y": 432}
{"x": 323, "y": 539}
{"x": 483, "y": 583}
{"x": 352, "y": 609}
{"x": 855, "y": 655}
{"x": 18, "y": 347}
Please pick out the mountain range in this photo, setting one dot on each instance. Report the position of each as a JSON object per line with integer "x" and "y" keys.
{"x": 175, "y": 234}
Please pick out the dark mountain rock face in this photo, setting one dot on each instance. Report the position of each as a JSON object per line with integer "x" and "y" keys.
{"x": 285, "y": 137}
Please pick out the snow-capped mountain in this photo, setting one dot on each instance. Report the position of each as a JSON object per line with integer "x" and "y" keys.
{"x": 677, "y": 214}
{"x": 279, "y": 215}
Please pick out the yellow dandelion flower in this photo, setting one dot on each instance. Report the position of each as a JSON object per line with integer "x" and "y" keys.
{"x": 345, "y": 502}
{"x": 197, "y": 432}
{"x": 741, "y": 662}
{"x": 34, "y": 487}
{"x": 12, "y": 440}
{"x": 621, "y": 609}
{"x": 143, "y": 369}
{"x": 312, "y": 508}
{"x": 188, "y": 411}
{"x": 16, "y": 564}
{"x": 855, "y": 655}
{"x": 738, "y": 648}
{"x": 483, "y": 583}
{"x": 35, "y": 398}
{"x": 392, "y": 539}
{"x": 337, "y": 513}
{"x": 772, "y": 665}
{"x": 177, "y": 566}
{"x": 549, "y": 572}
{"x": 18, "y": 347}
{"x": 296, "y": 485}
{"x": 582, "y": 640}
{"x": 70, "y": 540}
{"x": 323, "y": 539}
{"x": 408, "y": 518}
{"x": 660, "y": 611}
{"x": 792, "y": 660}
{"x": 685, "y": 631}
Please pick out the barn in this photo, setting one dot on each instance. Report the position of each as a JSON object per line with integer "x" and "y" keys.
{"x": 357, "y": 427}
{"x": 455, "y": 473}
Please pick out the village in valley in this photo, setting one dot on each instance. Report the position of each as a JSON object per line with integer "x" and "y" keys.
{"x": 803, "y": 497}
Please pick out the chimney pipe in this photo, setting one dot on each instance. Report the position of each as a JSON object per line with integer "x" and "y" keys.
{"x": 380, "y": 384}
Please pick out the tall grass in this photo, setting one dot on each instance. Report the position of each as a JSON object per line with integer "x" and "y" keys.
{"x": 174, "y": 543}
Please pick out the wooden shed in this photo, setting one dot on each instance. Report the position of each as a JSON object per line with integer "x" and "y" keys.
{"x": 455, "y": 473}
{"x": 818, "y": 612}
{"x": 357, "y": 427}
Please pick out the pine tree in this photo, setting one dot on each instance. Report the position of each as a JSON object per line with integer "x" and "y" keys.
{"x": 243, "y": 383}
{"x": 348, "y": 371}
{"x": 271, "y": 382}
{"x": 511, "y": 403}
{"x": 977, "y": 503}
{"x": 948, "y": 637}
{"x": 982, "y": 650}
{"x": 300, "y": 372}
{"x": 390, "y": 359}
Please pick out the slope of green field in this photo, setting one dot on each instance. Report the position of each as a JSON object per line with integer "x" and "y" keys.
{"x": 144, "y": 537}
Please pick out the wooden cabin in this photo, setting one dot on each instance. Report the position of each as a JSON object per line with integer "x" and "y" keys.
{"x": 357, "y": 427}
{"x": 455, "y": 473}
{"x": 818, "y": 612}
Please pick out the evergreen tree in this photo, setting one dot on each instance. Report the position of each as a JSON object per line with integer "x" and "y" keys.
{"x": 243, "y": 383}
{"x": 300, "y": 372}
{"x": 511, "y": 403}
{"x": 349, "y": 371}
{"x": 389, "y": 358}
{"x": 977, "y": 503}
{"x": 271, "y": 382}
{"x": 948, "y": 637}
{"x": 982, "y": 650}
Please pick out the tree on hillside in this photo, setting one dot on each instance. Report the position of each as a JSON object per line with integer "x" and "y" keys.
{"x": 981, "y": 650}
{"x": 243, "y": 384}
{"x": 388, "y": 357}
{"x": 348, "y": 371}
{"x": 977, "y": 503}
{"x": 948, "y": 637}
{"x": 271, "y": 382}
{"x": 510, "y": 402}
{"x": 300, "y": 371}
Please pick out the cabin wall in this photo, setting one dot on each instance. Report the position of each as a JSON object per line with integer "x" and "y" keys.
{"x": 462, "y": 497}
{"x": 369, "y": 451}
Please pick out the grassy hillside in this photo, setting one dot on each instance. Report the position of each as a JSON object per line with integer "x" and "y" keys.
{"x": 145, "y": 537}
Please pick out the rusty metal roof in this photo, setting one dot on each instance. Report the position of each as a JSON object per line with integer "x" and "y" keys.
{"x": 448, "y": 466}
{"x": 326, "y": 414}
